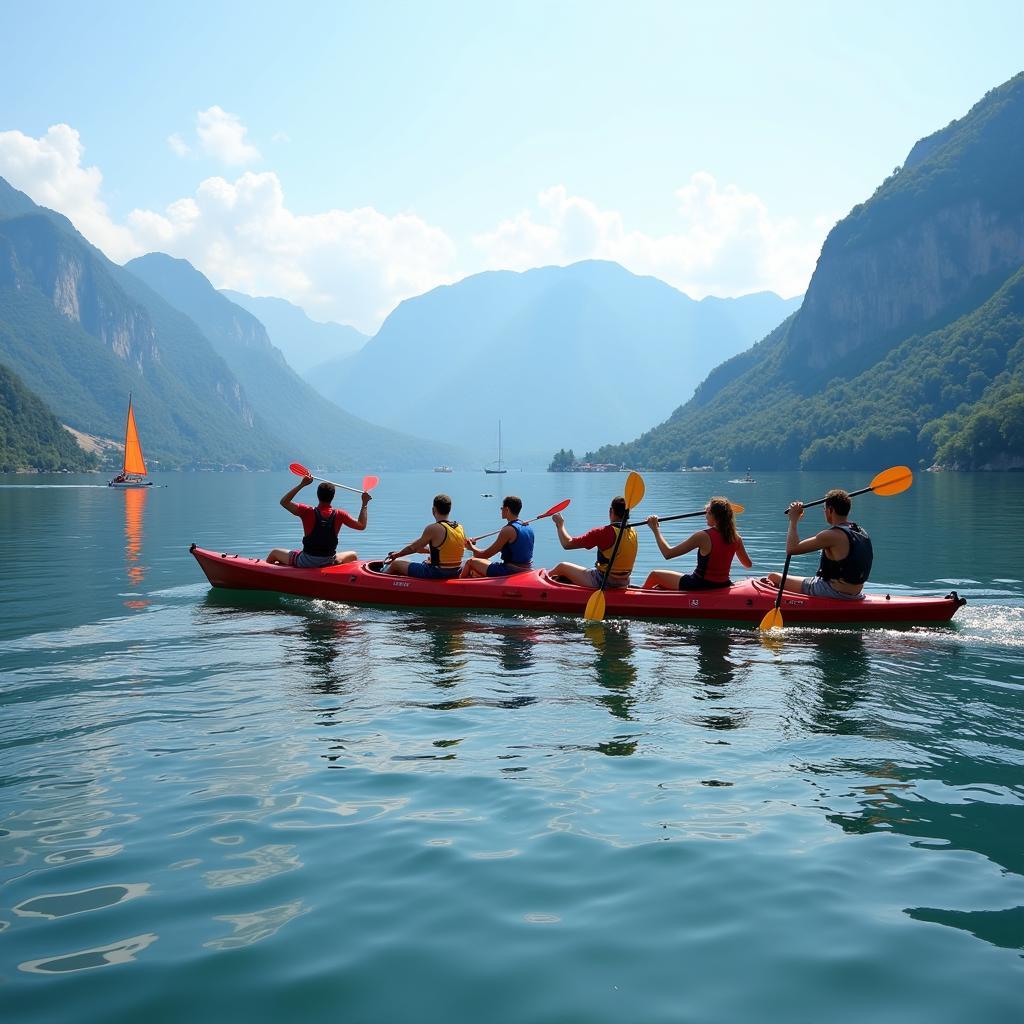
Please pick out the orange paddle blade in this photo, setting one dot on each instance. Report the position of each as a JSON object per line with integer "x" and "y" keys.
{"x": 595, "y": 607}
{"x": 892, "y": 481}
{"x": 299, "y": 469}
{"x": 737, "y": 508}
{"x": 369, "y": 482}
{"x": 634, "y": 492}
{"x": 773, "y": 620}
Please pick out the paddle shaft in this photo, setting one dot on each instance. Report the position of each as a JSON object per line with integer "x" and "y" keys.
{"x": 782, "y": 583}
{"x": 682, "y": 515}
{"x": 821, "y": 501}
{"x": 344, "y": 487}
{"x": 494, "y": 533}
{"x": 623, "y": 526}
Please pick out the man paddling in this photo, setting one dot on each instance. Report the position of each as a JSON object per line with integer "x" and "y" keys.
{"x": 321, "y": 526}
{"x": 603, "y": 538}
{"x": 514, "y": 541}
{"x": 442, "y": 539}
{"x": 846, "y": 553}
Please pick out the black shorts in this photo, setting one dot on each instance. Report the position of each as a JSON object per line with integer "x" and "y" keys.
{"x": 692, "y": 581}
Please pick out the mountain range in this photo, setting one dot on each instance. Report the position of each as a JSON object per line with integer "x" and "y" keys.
{"x": 580, "y": 353}
{"x": 82, "y": 333}
{"x": 909, "y": 344}
{"x": 305, "y": 343}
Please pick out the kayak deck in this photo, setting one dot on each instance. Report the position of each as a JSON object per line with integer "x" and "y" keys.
{"x": 535, "y": 591}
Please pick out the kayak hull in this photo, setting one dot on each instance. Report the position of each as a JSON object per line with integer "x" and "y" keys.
{"x": 535, "y": 591}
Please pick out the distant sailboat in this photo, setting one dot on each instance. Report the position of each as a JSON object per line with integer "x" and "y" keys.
{"x": 500, "y": 463}
{"x": 134, "y": 465}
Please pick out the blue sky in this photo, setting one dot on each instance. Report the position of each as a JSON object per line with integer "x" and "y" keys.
{"x": 356, "y": 154}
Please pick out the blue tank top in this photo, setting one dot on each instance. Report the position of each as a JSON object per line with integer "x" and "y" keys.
{"x": 520, "y": 551}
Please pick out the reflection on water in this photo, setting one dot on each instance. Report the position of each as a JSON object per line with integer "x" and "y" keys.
{"x": 134, "y": 510}
{"x": 716, "y": 673}
{"x": 616, "y": 672}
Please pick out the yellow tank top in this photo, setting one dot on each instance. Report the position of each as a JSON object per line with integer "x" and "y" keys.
{"x": 624, "y": 557}
{"x": 449, "y": 554}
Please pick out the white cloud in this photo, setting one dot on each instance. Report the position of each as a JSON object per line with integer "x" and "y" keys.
{"x": 349, "y": 265}
{"x": 724, "y": 241}
{"x": 356, "y": 265}
{"x": 49, "y": 170}
{"x": 178, "y": 145}
{"x": 223, "y": 137}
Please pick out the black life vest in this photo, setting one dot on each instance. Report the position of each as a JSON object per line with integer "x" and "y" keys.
{"x": 856, "y": 566}
{"x": 322, "y": 540}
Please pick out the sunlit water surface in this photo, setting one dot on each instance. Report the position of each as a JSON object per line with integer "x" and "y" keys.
{"x": 255, "y": 808}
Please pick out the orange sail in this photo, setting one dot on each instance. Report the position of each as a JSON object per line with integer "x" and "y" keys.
{"x": 133, "y": 460}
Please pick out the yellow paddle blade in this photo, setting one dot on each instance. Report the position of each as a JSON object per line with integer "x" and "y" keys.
{"x": 634, "y": 492}
{"x": 773, "y": 620}
{"x": 737, "y": 508}
{"x": 595, "y": 607}
{"x": 892, "y": 481}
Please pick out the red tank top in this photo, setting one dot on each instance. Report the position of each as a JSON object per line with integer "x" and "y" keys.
{"x": 714, "y": 566}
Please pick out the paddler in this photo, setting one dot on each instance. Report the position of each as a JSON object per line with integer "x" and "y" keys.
{"x": 514, "y": 541}
{"x": 443, "y": 539}
{"x": 846, "y": 553}
{"x": 715, "y": 546}
{"x": 320, "y": 527}
{"x": 603, "y": 538}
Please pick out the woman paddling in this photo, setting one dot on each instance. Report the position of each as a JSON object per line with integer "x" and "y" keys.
{"x": 715, "y": 546}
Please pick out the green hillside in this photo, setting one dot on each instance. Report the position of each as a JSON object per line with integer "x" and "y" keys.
{"x": 31, "y": 437}
{"x": 82, "y": 333}
{"x": 315, "y": 429}
{"x": 908, "y": 345}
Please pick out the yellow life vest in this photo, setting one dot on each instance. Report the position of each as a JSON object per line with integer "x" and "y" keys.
{"x": 449, "y": 554}
{"x": 624, "y": 557}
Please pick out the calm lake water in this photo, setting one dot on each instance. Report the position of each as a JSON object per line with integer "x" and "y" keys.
{"x": 247, "y": 808}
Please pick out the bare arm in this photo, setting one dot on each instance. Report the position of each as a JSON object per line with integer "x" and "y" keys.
{"x": 286, "y": 500}
{"x": 506, "y": 535}
{"x": 422, "y": 543}
{"x": 691, "y": 542}
{"x": 796, "y": 546}
{"x": 568, "y": 542}
{"x": 741, "y": 553}
{"x": 360, "y": 523}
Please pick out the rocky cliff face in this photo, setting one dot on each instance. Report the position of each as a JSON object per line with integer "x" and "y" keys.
{"x": 860, "y": 295}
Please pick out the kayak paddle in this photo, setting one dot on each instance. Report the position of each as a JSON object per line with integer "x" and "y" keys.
{"x": 894, "y": 480}
{"x": 633, "y": 495}
{"x": 550, "y": 512}
{"x": 737, "y": 508}
{"x": 369, "y": 482}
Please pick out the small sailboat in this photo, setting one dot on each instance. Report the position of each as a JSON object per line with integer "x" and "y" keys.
{"x": 499, "y": 466}
{"x": 134, "y": 466}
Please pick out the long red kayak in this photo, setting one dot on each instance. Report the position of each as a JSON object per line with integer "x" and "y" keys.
{"x": 535, "y": 591}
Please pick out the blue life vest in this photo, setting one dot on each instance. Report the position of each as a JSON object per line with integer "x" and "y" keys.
{"x": 322, "y": 540}
{"x": 519, "y": 551}
{"x": 856, "y": 566}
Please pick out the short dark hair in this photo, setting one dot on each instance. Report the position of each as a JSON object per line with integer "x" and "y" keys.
{"x": 513, "y": 504}
{"x": 443, "y": 503}
{"x": 839, "y": 501}
{"x": 325, "y": 493}
{"x": 619, "y": 506}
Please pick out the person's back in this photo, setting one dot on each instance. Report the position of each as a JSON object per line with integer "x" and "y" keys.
{"x": 612, "y": 572}
{"x": 846, "y": 552}
{"x": 716, "y": 546}
{"x": 320, "y": 528}
{"x": 443, "y": 540}
{"x": 514, "y": 543}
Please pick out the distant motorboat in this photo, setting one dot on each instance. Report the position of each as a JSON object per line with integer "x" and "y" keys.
{"x": 443, "y": 469}
{"x": 748, "y": 479}
{"x": 134, "y": 465}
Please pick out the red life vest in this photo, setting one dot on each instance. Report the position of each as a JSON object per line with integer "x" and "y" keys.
{"x": 714, "y": 566}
